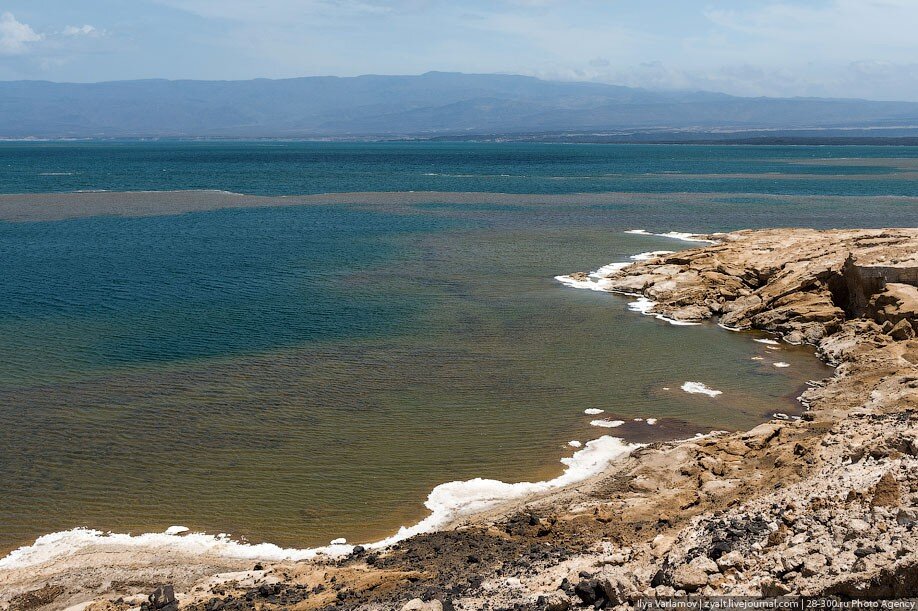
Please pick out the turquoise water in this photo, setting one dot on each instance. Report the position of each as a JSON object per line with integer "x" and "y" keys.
{"x": 278, "y": 168}
{"x": 294, "y": 374}
{"x": 173, "y": 288}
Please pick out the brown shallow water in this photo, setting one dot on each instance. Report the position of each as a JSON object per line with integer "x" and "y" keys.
{"x": 345, "y": 436}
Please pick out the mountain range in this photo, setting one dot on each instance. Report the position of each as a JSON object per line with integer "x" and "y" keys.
{"x": 434, "y": 104}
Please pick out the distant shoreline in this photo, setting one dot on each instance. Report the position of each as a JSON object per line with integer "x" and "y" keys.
{"x": 666, "y": 138}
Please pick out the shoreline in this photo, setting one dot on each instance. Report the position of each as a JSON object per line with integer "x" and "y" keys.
{"x": 582, "y": 510}
{"x": 442, "y": 512}
{"x": 46, "y": 544}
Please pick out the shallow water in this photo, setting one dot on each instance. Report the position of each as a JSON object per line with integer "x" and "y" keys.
{"x": 298, "y": 374}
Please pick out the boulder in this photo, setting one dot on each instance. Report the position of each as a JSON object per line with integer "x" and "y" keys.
{"x": 772, "y": 588}
{"x": 691, "y": 313}
{"x": 618, "y": 586}
{"x": 761, "y": 435}
{"x": 689, "y": 578}
{"x": 589, "y": 591}
{"x": 555, "y": 602}
{"x": 902, "y": 331}
{"x": 814, "y": 564}
{"x": 731, "y": 560}
{"x": 712, "y": 464}
{"x": 163, "y": 599}
{"x": 895, "y": 303}
{"x": 793, "y": 558}
{"x": 885, "y": 493}
{"x": 705, "y": 564}
{"x": 906, "y": 516}
{"x": 856, "y": 528}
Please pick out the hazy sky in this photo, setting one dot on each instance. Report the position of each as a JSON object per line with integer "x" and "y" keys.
{"x": 841, "y": 48}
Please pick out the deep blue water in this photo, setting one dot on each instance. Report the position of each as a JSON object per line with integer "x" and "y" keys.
{"x": 283, "y": 168}
{"x": 205, "y": 284}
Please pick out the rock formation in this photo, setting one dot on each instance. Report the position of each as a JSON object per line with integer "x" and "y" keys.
{"x": 802, "y": 284}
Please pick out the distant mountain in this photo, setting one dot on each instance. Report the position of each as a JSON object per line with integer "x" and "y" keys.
{"x": 432, "y": 104}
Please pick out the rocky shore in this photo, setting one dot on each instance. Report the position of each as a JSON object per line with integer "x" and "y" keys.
{"x": 824, "y": 505}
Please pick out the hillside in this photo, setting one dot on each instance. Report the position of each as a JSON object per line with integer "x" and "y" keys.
{"x": 431, "y": 104}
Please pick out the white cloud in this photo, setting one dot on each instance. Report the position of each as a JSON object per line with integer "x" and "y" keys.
{"x": 832, "y": 30}
{"x": 860, "y": 79}
{"x": 282, "y": 11}
{"x": 563, "y": 41}
{"x": 531, "y": 3}
{"x": 15, "y": 36}
{"x": 831, "y": 48}
{"x": 83, "y": 30}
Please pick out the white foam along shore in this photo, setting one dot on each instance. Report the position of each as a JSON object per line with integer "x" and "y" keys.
{"x": 597, "y": 280}
{"x": 700, "y": 388}
{"x": 647, "y": 256}
{"x": 607, "y": 424}
{"x": 447, "y": 503}
{"x": 675, "y": 235}
{"x": 644, "y": 306}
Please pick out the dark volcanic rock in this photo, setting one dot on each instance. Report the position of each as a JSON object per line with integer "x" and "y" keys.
{"x": 163, "y": 599}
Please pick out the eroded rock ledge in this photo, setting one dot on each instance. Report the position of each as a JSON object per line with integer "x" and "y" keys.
{"x": 803, "y": 284}
{"x": 825, "y": 505}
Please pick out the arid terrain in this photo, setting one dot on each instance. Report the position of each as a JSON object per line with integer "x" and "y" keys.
{"x": 823, "y": 505}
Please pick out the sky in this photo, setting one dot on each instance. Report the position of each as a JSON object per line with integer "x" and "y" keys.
{"x": 828, "y": 48}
